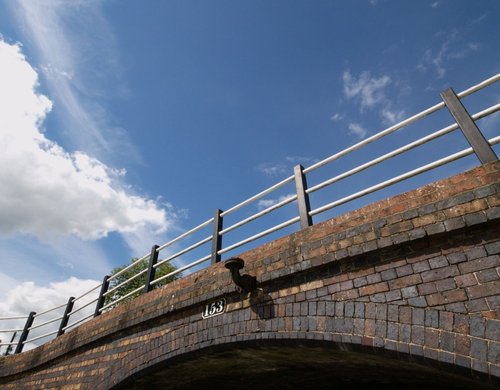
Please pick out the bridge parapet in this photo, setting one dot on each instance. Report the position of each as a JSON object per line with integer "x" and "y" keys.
{"x": 416, "y": 275}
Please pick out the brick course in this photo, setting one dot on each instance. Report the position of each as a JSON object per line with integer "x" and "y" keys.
{"x": 417, "y": 274}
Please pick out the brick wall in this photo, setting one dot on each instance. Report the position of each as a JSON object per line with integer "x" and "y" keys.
{"x": 416, "y": 275}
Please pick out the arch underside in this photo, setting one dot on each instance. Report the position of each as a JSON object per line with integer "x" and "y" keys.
{"x": 301, "y": 364}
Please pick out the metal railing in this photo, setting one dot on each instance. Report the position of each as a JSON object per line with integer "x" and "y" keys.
{"x": 93, "y": 303}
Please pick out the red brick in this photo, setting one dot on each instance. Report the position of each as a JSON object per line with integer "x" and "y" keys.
{"x": 431, "y": 338}
{"x": 479, "y": 264}
{"x": 361, "y": 272}
{"x": 465, "y": 280}
{"x": 405, "y": 281}
{"x": 446, "y": 297}
{"x": 484, "y": 290}
{"x": 346, "y": 295}
{"x": 178, "y": 304}
{"x": 425, "y": 220}
{"x": 440, "y": 273}
{"x": 373, "y": 289}
{"x": 389, "y": 265}
{"x": 466, "y": 208}
{"x": 462, "y": 344}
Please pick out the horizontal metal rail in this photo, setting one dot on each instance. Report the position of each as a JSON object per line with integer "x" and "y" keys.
{"x": 123, "y": 297}
{"x": 128, "y": 267}
{"x": 13, "y": 318}
{"x": 10, "y": 330}
{"x": 179, "y": 270}
{"x": 399, "y": 178}
{"x": 188, "y": 249}
{"x": 45, "y": 323}
{"x": 401, "y": 150}
{"x": 88, "y": 292}
{"x": 222, "y": 231}
{"x": 111, "y": 290}
{"x": 481, "y": 85}
{"x": 258, "y": 196}
{"x": 261, "y": 234}
{"x": 195, "y": 229}
{"x": 7, "y": 344}
{"x": 48, "y": 310}
{"x": 74, "y": 311}
{"x": 377, "y": 136}
{"x": 40, "y": 337}
{"x": 382, "y": 158}
{"x": 400, "y": 125}
{"x": 260, "y": 214}
{"x": 78, "y": 321}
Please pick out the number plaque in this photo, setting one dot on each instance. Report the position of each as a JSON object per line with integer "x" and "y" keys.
{"x": 215, "y": 308}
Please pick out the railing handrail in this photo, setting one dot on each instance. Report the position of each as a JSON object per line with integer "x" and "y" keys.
{"x": 301, "y": 197}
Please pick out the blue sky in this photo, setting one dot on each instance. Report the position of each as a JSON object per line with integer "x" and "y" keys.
{"x": 129, "y": 122}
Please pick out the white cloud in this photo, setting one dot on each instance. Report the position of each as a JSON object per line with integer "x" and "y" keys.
{"x": 357, "y": 130}
{"x": 435, "y": 4}
{"x": 48, "y": 191}
{"x": 273, "y": 170}
{"x": 28, "y": 296}
{"x": 76, "y": 50}
{"x": 25, "y": 258}
{"x": 450, "y": 50}
{"x": 391, "y": 117}
{"x": 7, "y": 283}
{"x": 337, "y": 117}
{"x": 265, "y": 203}
{"x": 286, "y": 168}
{"x": 369, "y": 91}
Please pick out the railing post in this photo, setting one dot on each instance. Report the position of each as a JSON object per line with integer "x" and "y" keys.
{"x": 26, "y": 330}
{"x": 9, "y": 347}
{"x": 102, "y": 298}
{"x": 65, "y": 318}
{"x": 474, "y": 136}
{"x": 153, "y": 259}
{"x": 302, "y": 197}
{"x": 217, "y": 238}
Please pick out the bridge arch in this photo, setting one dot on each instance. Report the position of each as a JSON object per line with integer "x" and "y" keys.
{"x": 414, "y": 278}
{"x": 294, "y": 363}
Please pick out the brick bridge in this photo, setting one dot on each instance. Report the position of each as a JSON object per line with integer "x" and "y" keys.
{"x": 403, "y": 292}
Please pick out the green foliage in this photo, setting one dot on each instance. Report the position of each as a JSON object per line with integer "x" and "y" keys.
{"x": 139, "y": 281}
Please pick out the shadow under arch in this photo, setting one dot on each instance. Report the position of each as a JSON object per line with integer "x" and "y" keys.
{"x": 301, "y": 364}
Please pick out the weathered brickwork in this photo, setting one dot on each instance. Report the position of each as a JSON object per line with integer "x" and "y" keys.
{"x": 416, "y": 276}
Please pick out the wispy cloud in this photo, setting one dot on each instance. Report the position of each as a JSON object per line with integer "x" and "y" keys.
{"x": 337, "y": 117}
{"x": 368, "y": 90}
{"x": 272, "y": 169}
{"x": 286, "y": 167}
{"x": 76, "y": 51}
{"x": 265, "y": 203}
{"x": 50, "y": 191}
{"x": 303, "y": 160}
{"x": 390, "y": 116}
{"x": 477, "y": 20}
{"x": 369, "y": 93}
{"x": 451, "y": 49}
{"x": 357, "y": 130}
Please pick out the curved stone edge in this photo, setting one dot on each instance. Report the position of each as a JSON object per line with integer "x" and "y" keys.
{"x": 462, "y": 201}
